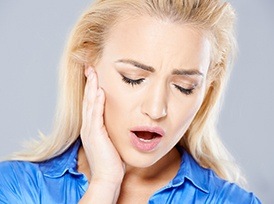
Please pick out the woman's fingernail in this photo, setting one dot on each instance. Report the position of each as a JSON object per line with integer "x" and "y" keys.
{"x": 89, "y": 71}
{"x": 91, "y": 74}
{"x": 99, "y": 92}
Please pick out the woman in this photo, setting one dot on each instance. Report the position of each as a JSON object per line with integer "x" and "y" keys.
{"x": 141, "y": 83}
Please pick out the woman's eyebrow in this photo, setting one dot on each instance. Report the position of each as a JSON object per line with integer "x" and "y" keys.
{"x": 187, "y": 72}
{"x": 136, "y": 64}
{"x": 151, "y": 69}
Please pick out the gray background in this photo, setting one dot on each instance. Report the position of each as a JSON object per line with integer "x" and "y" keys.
{"x": 32, "y": 36}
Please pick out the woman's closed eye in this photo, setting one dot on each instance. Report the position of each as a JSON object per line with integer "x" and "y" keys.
{"x": 184, "y": 90}
{"x": 132, "y": 82}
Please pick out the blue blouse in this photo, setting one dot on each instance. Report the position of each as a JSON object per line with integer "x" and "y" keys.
{"x": 57, "y": 181}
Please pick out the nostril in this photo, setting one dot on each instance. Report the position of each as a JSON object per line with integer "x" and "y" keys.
{"x": 157, "y": 114}
{"x": 154, "y": 104}
{"x": 154, "y": 111}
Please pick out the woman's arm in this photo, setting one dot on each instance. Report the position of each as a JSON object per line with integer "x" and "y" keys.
{"x": 106, "y": 167}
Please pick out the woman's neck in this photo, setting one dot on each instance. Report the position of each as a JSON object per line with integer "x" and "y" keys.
{"x": 163, "y": 170}
{"x": 166, "y": 167}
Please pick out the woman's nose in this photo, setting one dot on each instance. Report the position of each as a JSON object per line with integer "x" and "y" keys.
{"x": 155, "y": 103}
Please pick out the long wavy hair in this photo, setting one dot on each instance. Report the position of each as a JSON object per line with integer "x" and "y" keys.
{"x": 85, "y": 45}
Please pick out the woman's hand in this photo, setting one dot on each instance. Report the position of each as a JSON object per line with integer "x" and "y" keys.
{"x": 106, "y": 167}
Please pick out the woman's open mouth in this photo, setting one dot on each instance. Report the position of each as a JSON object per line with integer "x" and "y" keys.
{"x": 146, "y": 136}
{"x": 146, "y": 139}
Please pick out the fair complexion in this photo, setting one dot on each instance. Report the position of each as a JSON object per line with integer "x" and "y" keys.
{"x": 153, "y": 73}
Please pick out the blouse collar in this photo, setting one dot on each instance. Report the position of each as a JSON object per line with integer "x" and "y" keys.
{"x": 189, "y": 169}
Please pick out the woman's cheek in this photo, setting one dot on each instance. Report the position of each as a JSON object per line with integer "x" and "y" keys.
{"x": 185, "y": 111}
{"x": 114, "y": 110}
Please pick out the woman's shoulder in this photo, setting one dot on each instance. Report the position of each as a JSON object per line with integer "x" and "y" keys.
{"x": 16, "y": 177}
{"x": 17, "y": 170}
{"x": 207, "y": 182}
{"x": 31, "y": 182}
{"x": 223, "y": 191}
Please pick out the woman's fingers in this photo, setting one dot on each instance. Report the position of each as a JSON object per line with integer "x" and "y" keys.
{"x": 93, "y": 132}
{"x": 89, "y": 96}
{"x": 99, "y": 149}
{"x": 98, "y": 109}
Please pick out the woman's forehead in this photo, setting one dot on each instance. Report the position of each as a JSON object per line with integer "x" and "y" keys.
{"x": 158, "y": 42}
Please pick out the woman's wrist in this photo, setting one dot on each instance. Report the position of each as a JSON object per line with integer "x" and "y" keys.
{"x": 113, "y": 180}
{"x": 112, "y": 183}
{"x": 102, "y": 191}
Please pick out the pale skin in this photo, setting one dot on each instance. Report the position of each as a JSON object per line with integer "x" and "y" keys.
{"x": 166, "y": 64}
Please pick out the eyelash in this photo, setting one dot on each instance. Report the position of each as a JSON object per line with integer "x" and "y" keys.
{"x": 131, "y": 81}
{"x": 183, "y": 90}
{"x": 139, "y": 81}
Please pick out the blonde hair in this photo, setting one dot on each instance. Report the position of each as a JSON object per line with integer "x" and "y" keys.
{"x": 86, "y": 44}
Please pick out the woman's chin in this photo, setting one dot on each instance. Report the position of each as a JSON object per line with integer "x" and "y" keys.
{"x": 139, "y": 161}
{"x": 140, "y": 165}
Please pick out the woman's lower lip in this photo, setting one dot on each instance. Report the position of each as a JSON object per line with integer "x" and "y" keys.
{"x": 144, "y": 145}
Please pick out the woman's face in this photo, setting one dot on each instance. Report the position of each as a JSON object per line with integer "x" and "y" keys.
{"x": 153, "y": 73}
